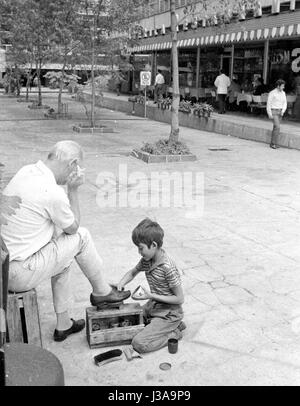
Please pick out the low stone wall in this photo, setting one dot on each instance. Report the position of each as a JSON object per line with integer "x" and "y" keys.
{"x": 210, "y": 124}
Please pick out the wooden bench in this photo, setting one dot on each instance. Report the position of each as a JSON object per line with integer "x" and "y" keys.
{"x": 21, "y": 309}
{"x": 23, "y": 320}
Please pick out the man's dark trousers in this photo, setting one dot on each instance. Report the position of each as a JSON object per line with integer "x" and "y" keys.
{"x": 221, "y": 99}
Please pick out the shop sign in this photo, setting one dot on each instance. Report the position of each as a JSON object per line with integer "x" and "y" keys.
{"x": 280, "y": 57}
{"x": 252, "y": 53}
{"x": 296, "y": 62}
{"x": 285, "y": 57}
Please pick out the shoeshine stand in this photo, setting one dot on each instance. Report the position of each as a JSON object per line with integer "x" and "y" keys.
{"x": 113, "y": 326}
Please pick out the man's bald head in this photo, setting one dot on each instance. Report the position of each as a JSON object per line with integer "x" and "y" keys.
{"x": 63, "y": 159}
{"x": 66, "y": 151}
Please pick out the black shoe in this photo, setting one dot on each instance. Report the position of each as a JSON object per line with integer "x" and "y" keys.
{"x": 115, "y": 296}
{"x": 61, "y": 335}
{"x": 274, "y": 146}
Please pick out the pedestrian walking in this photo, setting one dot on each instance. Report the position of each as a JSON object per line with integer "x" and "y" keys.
{"x": 276, "y": 107}
{"x": 158, "y": 85}
{"x": 222, "y": 84}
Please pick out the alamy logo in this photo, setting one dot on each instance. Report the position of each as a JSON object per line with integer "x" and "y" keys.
{"x": 155, "y": 190}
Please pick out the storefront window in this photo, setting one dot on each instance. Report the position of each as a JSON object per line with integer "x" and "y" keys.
{"x": 187, "y": 67}
{"x": 163, "y": 63}
{"x": 284, "y": 63}
{"x": 210, "y": 62}
{"x": 248, "y": 64}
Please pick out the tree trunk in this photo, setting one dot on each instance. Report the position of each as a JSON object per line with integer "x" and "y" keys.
{"x": 174, "y": 135}
{"x": 28, "y": 79}
{"x": 9, "y": 84}
{"x": 93, "y": 75}
{"x": 2, "y": 301}
{"x": 61, "y": 84}
{"x": 38, "y": 73}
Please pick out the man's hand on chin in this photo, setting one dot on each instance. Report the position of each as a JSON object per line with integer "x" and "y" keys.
{"x": 76, "y": 178}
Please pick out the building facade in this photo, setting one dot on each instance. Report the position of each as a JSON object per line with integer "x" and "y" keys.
{"x": 264, "y": 42}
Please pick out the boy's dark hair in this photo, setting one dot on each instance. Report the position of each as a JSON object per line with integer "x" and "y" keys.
{"x": 147, "y": 232}
{"x": 280, "y": 82}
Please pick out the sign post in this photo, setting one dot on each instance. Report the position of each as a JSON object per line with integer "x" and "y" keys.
{"x": 145, "y": 81}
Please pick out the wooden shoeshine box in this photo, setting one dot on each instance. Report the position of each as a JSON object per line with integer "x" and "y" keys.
{"x": 112, "y": 327}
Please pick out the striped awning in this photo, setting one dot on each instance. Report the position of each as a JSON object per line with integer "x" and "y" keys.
{"x": 233, "y": 37}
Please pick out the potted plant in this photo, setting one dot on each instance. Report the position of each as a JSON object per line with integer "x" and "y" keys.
{"x": 198, "y": 109}
{"x": 140, "y": 99}
{"x": 164, "y": 103}
{"x": 185, "y": 106}
{"x": 207, "y": 109}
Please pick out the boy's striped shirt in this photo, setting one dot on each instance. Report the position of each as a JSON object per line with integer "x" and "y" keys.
{"x": 161, "y": 275}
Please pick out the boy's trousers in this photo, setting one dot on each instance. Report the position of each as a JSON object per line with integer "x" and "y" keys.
{"x": 163, "y": 320}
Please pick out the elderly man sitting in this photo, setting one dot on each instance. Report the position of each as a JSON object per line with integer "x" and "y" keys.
{"x": 37, "y": 252}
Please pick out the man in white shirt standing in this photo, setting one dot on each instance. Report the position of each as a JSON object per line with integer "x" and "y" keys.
{"x": 222, "y": 84}
{"x": 158, "y": 85}
{"x": 276, "y": 107}
{"x": 43, "y": 235}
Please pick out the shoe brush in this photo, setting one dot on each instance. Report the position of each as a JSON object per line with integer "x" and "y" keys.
{"x": 108, "y": 356}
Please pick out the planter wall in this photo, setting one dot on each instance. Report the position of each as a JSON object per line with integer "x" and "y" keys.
{"x": 154, "y": 159}
{"x": 210, "y": 124}
{"x": 36, "y": 107}
{"x": 92, "y": 130}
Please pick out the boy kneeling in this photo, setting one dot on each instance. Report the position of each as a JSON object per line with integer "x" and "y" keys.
{"x": 163, "y": 313}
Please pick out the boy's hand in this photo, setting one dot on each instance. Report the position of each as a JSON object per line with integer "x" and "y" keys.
{"x": 147, "y": 295}
{"x": 119, "y": 286}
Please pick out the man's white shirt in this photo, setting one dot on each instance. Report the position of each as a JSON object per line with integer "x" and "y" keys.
{"x": 159, "y": 80}
{"x": 222, "y": 83}
{"x": 45, "y": 206}
{"x": 276, "y": 100}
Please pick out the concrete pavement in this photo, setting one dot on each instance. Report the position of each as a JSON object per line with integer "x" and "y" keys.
{"x": 240, "y": 260}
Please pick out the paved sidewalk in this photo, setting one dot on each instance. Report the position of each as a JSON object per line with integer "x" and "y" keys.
{"x": 240, "y": 260}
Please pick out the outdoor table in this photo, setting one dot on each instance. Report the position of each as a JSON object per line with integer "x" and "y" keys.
{"x": 244, "y": 97}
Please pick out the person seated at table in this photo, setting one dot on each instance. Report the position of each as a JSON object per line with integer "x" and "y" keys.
{"x": 247, "y": 86}
{"x": 233, "y": 89}
{"x": 259, "y": 87}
